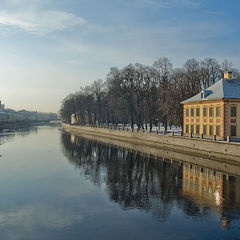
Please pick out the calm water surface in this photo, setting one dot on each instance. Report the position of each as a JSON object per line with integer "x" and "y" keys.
{"x": 59, "y": 186}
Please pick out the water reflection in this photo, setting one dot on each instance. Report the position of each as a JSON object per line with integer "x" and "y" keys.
{"x": 10, "y": 135}
{"x": 214, "y": 189}
{"x": 139, "y": 181}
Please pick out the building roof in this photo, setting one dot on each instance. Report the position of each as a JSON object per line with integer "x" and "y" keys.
{"x": 223, "y": 89}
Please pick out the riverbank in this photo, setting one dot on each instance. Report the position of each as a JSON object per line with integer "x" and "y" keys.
{"x": 20, "y": 124}
{"x": 227, "y": 168}
{"x": 208, "y": 149}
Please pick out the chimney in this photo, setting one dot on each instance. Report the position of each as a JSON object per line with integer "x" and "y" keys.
{"x": 228, "y": 75}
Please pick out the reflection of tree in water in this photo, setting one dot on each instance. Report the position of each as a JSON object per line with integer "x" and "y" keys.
{"x": 140, "y": 182}
{"x": 133, "y": 180}
{"x": 192, "y": 208}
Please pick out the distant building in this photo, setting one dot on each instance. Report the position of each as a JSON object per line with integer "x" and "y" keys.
{"x": 3, "y": 115}
{"x": 10, "y": 115}
{"x": 215, "y": 111}
{"x": 2, "y": 106}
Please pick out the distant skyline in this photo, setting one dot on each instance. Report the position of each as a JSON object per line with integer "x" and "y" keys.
{"x": 50, "y": 48}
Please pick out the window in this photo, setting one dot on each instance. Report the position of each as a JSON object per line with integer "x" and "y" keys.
{"x": 191, "y": 184}
{"x": 233, "y": 131}
{"x": 218, "y": 130}
{"x": 210, "y": 111}
{"x": 204, "y": 129}
{"x": 210, "y": 174}
{"x": 233, "y": 111}
{"x": 187, "y": 128}
{"x": 218, "y": 111}
{"x": 210, "y": 130}
{"x": 187, "y": 112}
{"x": 197, "y": 171}
{"x": 205, "y": 112}
{"x": 192, "y": 112}
{"x": 192, "y": 129}
{"x": 197, "y": 129}
{"x": 197, "y": 112}
{"x": 204, "y": 172}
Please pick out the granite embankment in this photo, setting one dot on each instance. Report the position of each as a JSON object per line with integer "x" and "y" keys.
{"x": 221, "y": 151}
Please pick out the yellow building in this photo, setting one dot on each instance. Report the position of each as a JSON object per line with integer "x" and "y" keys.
{"x": 215, "y": 112}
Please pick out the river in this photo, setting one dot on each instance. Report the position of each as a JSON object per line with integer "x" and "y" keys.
{"x": 55, "y": 185}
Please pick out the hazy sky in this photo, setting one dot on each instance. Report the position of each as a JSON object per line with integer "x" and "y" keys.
{"x": 49, "y": 48}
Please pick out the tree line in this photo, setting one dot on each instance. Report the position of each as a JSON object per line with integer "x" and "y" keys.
{"x": 143, "y": 95}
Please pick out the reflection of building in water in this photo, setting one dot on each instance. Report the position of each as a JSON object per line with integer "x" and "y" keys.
{"x": 202, "y": 184}
{"x": 73, "y": 138}
{"x": 213, "y": 188}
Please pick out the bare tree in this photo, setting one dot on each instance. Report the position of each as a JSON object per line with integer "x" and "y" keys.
{"x": 210, "y": 72}
{"x": 228, "y": 66}
{"x": 141, "y": 95}
{"x": 164, "y": 68}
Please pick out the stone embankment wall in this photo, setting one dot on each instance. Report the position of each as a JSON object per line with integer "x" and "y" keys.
{"x": 228, "y": 168}
{"x": 223, "y": 151}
